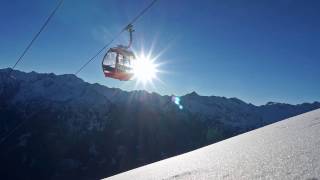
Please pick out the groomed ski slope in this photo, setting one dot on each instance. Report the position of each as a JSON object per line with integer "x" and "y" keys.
{"x": 289, "y": 149}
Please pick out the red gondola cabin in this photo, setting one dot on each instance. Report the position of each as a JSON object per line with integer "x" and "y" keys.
{"x": 118, "y": 63}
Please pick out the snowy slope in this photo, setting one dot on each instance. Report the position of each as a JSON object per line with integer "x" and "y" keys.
{"x": 289, "y": 149}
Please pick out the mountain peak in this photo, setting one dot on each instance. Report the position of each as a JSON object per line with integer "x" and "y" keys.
{"x": 271, "y": 103}
{"x": 275, "y": 103}
{"x": 193, "y": 93}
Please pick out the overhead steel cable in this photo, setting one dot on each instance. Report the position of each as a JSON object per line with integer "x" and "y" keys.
{"x": 7, "y": 135}
{"x": 142, "y": 12}
{"x": 117, "y": 35}
{"x": 99, "y": 52}
{"x": 35, "y": 37}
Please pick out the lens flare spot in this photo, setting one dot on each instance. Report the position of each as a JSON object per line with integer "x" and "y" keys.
{"x": 176, "y": 101}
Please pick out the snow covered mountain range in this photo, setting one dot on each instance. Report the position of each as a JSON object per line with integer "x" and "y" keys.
{"x": 68, "y": 128}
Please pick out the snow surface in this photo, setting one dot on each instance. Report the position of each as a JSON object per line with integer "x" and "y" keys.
{"x": 289, "y": 149}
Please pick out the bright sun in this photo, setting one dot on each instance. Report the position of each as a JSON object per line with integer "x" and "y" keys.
{"x": 145, "y": 69}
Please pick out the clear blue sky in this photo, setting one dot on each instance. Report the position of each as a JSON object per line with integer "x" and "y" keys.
{"x": 258, "y": 51}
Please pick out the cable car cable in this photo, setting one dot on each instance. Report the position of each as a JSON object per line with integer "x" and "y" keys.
{"x": 124, "y": 29}
{"x": 142, "y": 13}
{"x": 5, "y": 137}
{"x": 99, "y": 52}
{"x": 35, "y": 37}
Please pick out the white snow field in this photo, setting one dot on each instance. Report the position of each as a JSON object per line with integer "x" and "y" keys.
{"x": 289, "y": 149}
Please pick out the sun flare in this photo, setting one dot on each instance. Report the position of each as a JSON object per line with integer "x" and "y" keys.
{"x": 145, "y": 69}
